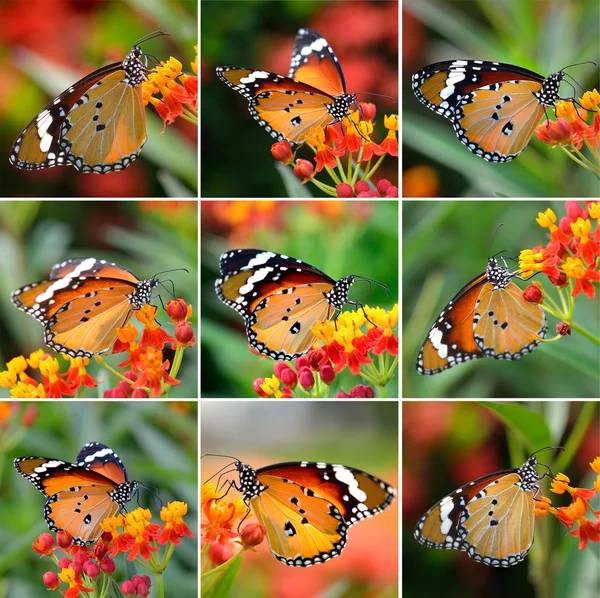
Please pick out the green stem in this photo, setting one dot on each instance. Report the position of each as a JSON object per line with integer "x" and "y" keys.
{"x": 585, "y": 333}
{"x": 160, "y": 585}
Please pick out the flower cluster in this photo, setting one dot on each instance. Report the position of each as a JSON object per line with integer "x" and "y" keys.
{"x": 344, "y": 345}
{"x": 352, "y": 138}
{"x": 570, "y": 259}
{"x": 179, "y": 99}
{"x": 219, "y": 529}
{"x": 85, "y": 569}
{"x": 570, "y": 131}
{"x": 587, "y": 530}
{"x": 149, "y": 373}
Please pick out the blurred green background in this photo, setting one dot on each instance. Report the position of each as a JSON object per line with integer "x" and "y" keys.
{"x": 448, "y": 444}
{"x": 260, "y": 34}
{"x": 360, "y": 434}
{"x": 157, "y": 442}
{"x": 146, "y": 237}
{"x": 540, "y": 35}
{"x": 444, "y": 246}
{"x": 43, "y": 51}
{"x": 339, "y": 238}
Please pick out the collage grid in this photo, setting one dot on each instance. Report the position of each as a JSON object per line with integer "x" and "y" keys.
{"x": 250, "y": 443}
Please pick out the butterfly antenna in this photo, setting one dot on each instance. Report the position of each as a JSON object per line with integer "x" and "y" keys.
{"x": 371, "y": 281}
{"x": 164, "y": 287}
{"x": 152, "y": 35}
{"x": 548, "y": 448}
{"x": 172, "y": 270}
{"x": 379, "y": 95}
{"x": 579, "y": 64}
{"x": 492, "y": 240}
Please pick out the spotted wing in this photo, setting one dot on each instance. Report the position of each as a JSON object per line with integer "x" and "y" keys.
{"x": 491, "y": 518}
{"x": 307, "y": 508}
{"x": 78, "y": 498}
{"x": 494, "y": 107}
{"x": 314, "y": 63}
{"x": 450, "y": 340}
{"x": 97, "y": 125}
{"x": 81, "y": 309}
{"x": 505, "y": 325}
{"x": 284, "y": 107}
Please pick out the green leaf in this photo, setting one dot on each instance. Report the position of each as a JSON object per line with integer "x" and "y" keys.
{"x": 218, "y": 582}
{"x": 530, "y": 425}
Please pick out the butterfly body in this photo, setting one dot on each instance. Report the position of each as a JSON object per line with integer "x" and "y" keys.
{"x": 494, "y": 107}
{"x": 83, "y": 303}
{"x": 97, "y": 125}
{"x": 491, "y": 518}
{"x": 280, "y": 298}
{"x": 313, "y": 94}
{"x": 487, "y": 318}
{"x": 80, "y": 494}
{"x": 308, "y": 507}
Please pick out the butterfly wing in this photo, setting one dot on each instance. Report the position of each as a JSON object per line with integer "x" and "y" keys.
{"x": 450, "y": 340}
{"x": 280, "y": 298}
{"x": 82, "y": 307}
{"x": 491, "y": 518}
{"x": 103, "y": 460}
{"x": 285, "y": 108}
{"x": 494, "y": 107}
{"x": 314, "y": 63}
{"x": 79, "y": 499}
{"x": 97, "y": 125}
{"x": 307, "y": 508}
{"x": 505, "y": 325}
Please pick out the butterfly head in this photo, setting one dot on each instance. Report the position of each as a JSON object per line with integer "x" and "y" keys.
{"x": 497, "y": 275}
{"x": 548, "y": 95}
{"x": 338, "y": 295}
{"x": 249, "y": 484}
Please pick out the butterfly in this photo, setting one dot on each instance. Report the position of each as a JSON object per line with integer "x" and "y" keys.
{"x": 313, "y": 94}
{"x": 280, "y": 298}
{"x": 493, "y": 107}
{"x": 307, "y": 508}
{"x": 97, "y": 125}
{"x": 487, "y": 318}
{"x": 490, "y": 518}
{"x": 83, "y": 303}
{"x": 81, "y": 494}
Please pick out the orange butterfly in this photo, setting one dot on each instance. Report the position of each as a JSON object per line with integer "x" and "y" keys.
{"x": 97, "y": 125}
{"x": 488, "y": 318}
{"x": 81, "y": 494}
{"x": 307, "y": 508}
{"x": 83, "y": 304}
{"x": 313, "y": 94}
{"x": 490, "y": 518}
{"x": 493, "y": 107}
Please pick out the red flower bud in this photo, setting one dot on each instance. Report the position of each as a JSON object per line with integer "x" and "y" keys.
{"x": 64, "y": 539}
{"x": 184, "y": 334}
{"x": 108, "y": 566}
{"x": 253, "y": 534}
{"x": 282, "y": 151}
{"x": 139, "y": 393}
{"x": 289, "y": 377}
{"x": 344, "y": 190}
{"x": 533, "y": 294}
{"x": 100, "y": 550}
{"x": 280, "y": 367}
{"x": 303, "y": 169}
{"x": 361, "y": 187}
{"x": 177, "y": 310}
{"x": 257, "y": 389}
{"x": 128, "y": 588}
{"x": 362, "y": 391}
{"x": 563, "y": 329}
{"x": 368, "y": 110}
{"x": 51, "y": 580}
{"x": 91, "y": 569}
{"x": 392, "y": 191}
{"x": 44, "y": 544}
{"x": 301, "y": 362}
{"x": 383, "y": 185}
{"x": 327, "y": 374}
{"x": 306, "y": 378}
{"x": 64, "y": 563}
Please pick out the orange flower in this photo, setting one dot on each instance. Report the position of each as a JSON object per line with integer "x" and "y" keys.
{"x": 154, "y": 372}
